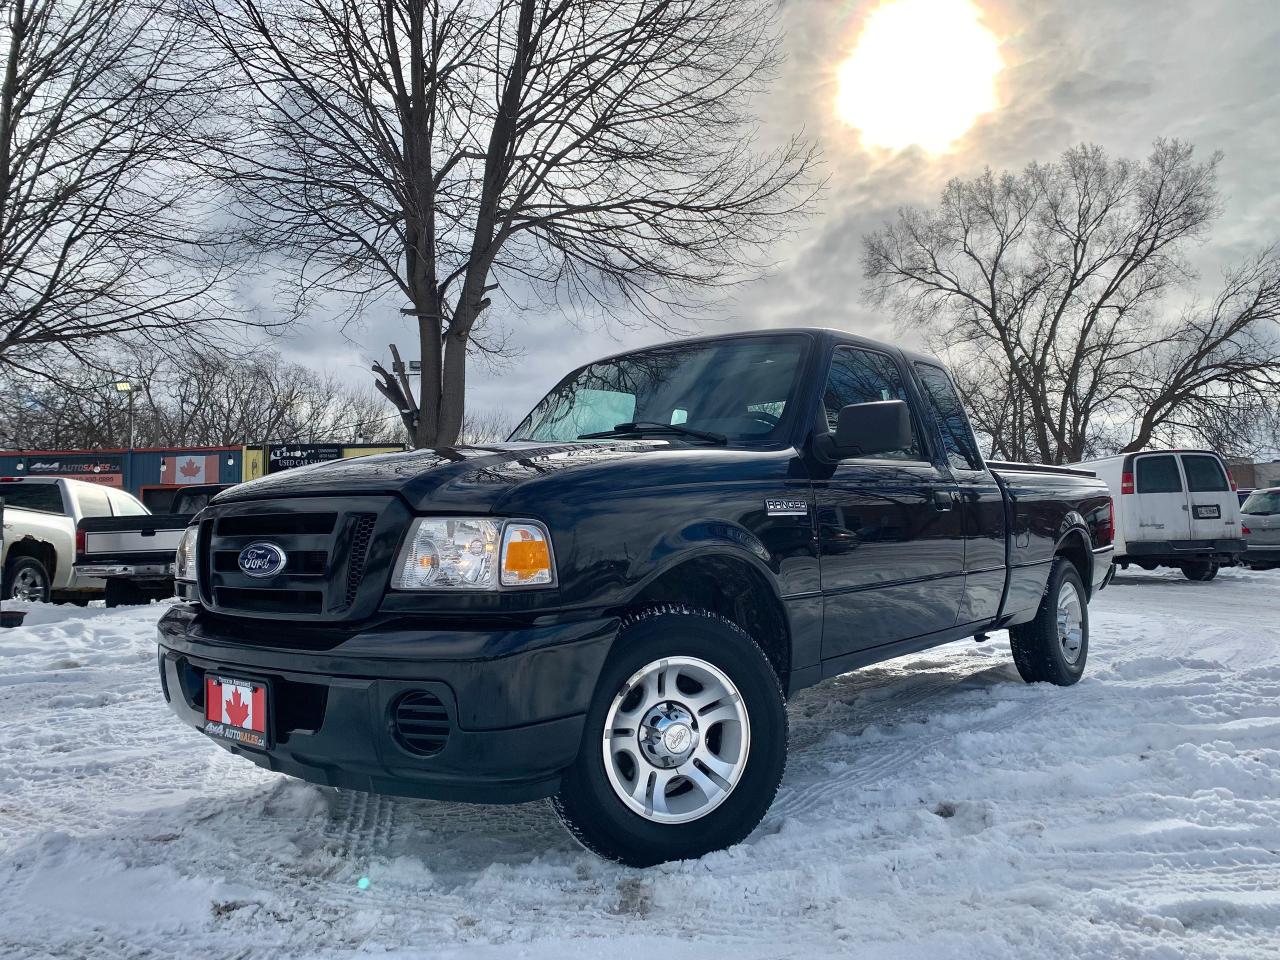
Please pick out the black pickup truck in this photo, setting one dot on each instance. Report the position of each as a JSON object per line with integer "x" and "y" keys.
{"x": 134, "y": 553}
{"x": 611, "y": 607}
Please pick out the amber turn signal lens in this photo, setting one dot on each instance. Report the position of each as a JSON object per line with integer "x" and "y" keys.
{"x": 526, "y": 556}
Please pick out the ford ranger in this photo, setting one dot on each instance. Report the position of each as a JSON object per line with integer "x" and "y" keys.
{"x": 610, "y": 608}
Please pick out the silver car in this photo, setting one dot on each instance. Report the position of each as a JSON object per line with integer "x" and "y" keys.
{"x": 1260, "y": 520}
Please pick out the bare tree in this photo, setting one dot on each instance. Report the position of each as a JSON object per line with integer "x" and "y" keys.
{"x": 199, "y": 397}
{"x": 1049, "y": 290}
{"x": 100, "y": 109}
{"x": 486, "y": 426}
{"x": 590, "y": 152}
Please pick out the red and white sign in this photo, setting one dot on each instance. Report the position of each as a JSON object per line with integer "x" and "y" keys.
{"x": 189, "y": 468}
{"x": 238, "y": 707}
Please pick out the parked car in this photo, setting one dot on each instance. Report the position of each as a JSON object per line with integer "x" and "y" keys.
{"x": 40, "y": 520}
{"x": 611, "y": 607}
{"x": 1260, "y": 518}
{"x": 1174, "y": 508}
{"x": 133, "y": 553}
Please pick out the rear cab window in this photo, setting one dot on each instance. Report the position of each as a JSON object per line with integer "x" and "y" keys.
{"x": 1158, "y": 474}
{"x": 957, "y": 436}
{"x": 124, "y": 505}
{"x": 1204, "y": 473}
{"x": 93, "y": 502}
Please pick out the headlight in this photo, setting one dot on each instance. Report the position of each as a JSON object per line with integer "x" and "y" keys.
{"x": 184, "y": 564}
{"x": 474, "y": 553}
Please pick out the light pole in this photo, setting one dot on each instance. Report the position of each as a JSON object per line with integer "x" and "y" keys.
{"x": 124, "y": 386}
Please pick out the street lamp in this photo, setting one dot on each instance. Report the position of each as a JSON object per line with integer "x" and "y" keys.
{"x": 124, "y": 386}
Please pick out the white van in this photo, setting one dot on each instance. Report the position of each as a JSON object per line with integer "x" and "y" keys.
{"x": 1173, "y": 508}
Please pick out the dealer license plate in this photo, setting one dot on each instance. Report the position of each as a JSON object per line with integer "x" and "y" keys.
{"x": 236, "y": 709}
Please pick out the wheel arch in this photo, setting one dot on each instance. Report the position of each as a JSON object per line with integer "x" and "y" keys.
{"x": 41, "y": 550}
{"x": 1074, "y": 546}
{"x": 729, "y": 584}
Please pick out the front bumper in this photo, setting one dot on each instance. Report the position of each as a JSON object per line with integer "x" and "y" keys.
{"x": 515, "y": 695}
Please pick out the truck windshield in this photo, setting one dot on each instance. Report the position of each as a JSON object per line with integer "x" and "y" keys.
{"x": 737, "y": 388}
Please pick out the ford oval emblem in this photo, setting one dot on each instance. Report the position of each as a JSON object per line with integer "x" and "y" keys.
{"x": 262, "y": 559}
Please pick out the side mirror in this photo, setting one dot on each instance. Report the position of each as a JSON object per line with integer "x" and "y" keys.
{"x": 868, "y": 429}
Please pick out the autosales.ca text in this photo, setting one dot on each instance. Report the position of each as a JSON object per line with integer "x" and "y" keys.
{"x": 247, "y": 737}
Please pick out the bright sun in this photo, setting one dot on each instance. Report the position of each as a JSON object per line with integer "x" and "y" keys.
{"x": 922, "y": 72}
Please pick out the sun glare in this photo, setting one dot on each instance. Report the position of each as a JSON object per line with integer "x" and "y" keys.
{"x": 922, "y": 72}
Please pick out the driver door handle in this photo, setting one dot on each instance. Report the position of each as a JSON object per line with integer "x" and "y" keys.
{"x": 943, "y": 499}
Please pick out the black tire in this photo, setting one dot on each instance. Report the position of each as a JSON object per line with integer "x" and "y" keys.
{"x": 26, "y": 574}
{"x": 587, "y": 803}
{"x": 1039, "y": 651}
{"x": 1202, "y": 571}
{"x": 122, "y": 593}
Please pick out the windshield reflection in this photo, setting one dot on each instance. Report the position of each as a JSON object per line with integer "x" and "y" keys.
{"x": 739, "y": 388}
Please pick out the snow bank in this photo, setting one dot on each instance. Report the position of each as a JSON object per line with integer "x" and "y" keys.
{"x": 934, "y": 807}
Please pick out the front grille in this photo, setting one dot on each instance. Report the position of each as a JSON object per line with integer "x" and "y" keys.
{"x": 276, "y": 524}
{"x": 270, "y": 601}
{"x": 337, "y": 551}
{"x": 421, "y": 723}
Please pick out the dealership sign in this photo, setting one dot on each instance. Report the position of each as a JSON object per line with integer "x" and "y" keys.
{"x": 286, "y": 456}
{"x": 96, "y": 468}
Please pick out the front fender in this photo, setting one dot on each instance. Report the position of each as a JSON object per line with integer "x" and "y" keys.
{"x": 703, "y": 538}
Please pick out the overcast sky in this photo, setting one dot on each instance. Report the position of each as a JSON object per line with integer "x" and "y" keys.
{"x": 1118, "y": 73}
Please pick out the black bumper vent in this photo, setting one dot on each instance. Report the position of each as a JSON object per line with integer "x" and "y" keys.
{"x": 421, "y": 723}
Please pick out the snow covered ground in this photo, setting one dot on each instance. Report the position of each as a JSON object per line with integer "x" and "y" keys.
{"x": 935, "y": 807}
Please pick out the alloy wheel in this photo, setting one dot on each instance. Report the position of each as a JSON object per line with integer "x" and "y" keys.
{"x": 676, "y": 740}
{"x": 1070, "y": 621}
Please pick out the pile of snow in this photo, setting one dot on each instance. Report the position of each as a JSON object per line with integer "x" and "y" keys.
{"x": 934, "y": 807}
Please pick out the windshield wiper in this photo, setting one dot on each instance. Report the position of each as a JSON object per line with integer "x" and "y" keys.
{"x": 653, "y": 426}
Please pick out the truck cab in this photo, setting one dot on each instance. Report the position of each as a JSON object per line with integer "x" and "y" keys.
{"x": 610, "y": 608}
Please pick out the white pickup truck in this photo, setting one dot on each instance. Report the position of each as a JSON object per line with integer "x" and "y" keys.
{"x": 37, "y": 556}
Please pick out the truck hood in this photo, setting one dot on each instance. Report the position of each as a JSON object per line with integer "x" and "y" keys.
{"x": 455, "y": 478}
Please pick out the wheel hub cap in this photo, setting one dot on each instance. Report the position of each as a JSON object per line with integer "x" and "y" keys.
{"x": 1070, "y": 622}
{"x": 668, "y": 735}
{"x": 27, "y": 586}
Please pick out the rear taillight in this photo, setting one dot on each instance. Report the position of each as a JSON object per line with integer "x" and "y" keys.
{"x": 1106, "y": 526}
{"x": 1126, "y": 482}
{"x": 80, "y": 543}
{"x": 1231, "y": 480}
{"x": 1244, "y": 530}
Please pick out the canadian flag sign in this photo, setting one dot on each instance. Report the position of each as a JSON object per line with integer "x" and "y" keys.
{"x": 235, "y": 703}
{"x": 189, "y": 468}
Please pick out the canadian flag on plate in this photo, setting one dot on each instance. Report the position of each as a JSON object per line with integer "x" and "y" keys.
{"x": 236, "y": 703}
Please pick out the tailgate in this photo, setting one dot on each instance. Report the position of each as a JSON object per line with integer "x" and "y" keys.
{"x": 130, "y": 539}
